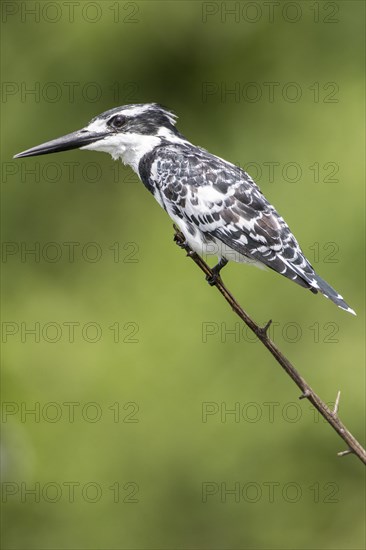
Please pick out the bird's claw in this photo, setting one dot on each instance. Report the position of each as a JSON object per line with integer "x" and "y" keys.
{"x": 213, "y": 278}
{"x": 180, "y": 242}
{"x": 215, "y": 272}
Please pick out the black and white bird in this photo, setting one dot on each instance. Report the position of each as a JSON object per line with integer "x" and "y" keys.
{"x": 217, "y": 206}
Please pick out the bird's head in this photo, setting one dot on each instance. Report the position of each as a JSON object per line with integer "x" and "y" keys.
{"x": 126, "y": 132}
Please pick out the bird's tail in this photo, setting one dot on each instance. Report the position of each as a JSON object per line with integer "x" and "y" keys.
{"x": 322, "y": 286}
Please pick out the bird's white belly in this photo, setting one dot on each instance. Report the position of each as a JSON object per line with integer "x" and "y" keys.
{"x": 213, "y": 247}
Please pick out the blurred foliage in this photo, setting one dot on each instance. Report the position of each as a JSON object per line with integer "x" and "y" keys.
{"x": 216, "y": 70}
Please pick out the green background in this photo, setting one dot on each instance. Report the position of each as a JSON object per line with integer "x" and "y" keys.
{"x": 151, "y": 467}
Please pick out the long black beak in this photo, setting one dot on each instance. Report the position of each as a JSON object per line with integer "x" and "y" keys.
{"x": 65, "y": 143}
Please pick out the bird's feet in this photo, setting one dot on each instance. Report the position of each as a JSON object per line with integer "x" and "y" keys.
{"x": 182, "y": 243}
{"x": 180, "y": 240}
{"x": 212, "y": 279}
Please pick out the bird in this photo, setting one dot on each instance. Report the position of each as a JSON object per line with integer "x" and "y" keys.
{"x": 217, "y": 206}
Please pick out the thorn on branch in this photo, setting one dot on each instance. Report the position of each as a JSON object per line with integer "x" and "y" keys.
{"x": 336, "y": 404}
{"x": 305, "y": 394}
{"x": 264, "y": 329}
{"x": 344, "y": 453}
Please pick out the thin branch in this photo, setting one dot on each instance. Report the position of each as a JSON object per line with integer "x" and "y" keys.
{"x": 331, "y": 416}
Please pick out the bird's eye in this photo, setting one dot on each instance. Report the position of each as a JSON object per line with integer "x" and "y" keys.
{"x": 117, "y": 121}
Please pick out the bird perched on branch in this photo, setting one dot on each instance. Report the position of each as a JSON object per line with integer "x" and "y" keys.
{"x": 217, "y": 206}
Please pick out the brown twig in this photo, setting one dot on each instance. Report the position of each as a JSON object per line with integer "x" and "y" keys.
{"x": 330, "y": 416}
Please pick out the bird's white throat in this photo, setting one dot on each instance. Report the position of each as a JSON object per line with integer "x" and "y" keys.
{"x": 130, "y": 148}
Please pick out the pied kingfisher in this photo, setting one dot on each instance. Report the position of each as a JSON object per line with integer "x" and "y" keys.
{"x": 217, "y": 206}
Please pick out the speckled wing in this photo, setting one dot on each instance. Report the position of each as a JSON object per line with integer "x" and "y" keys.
{"x": 223, "y": 203}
